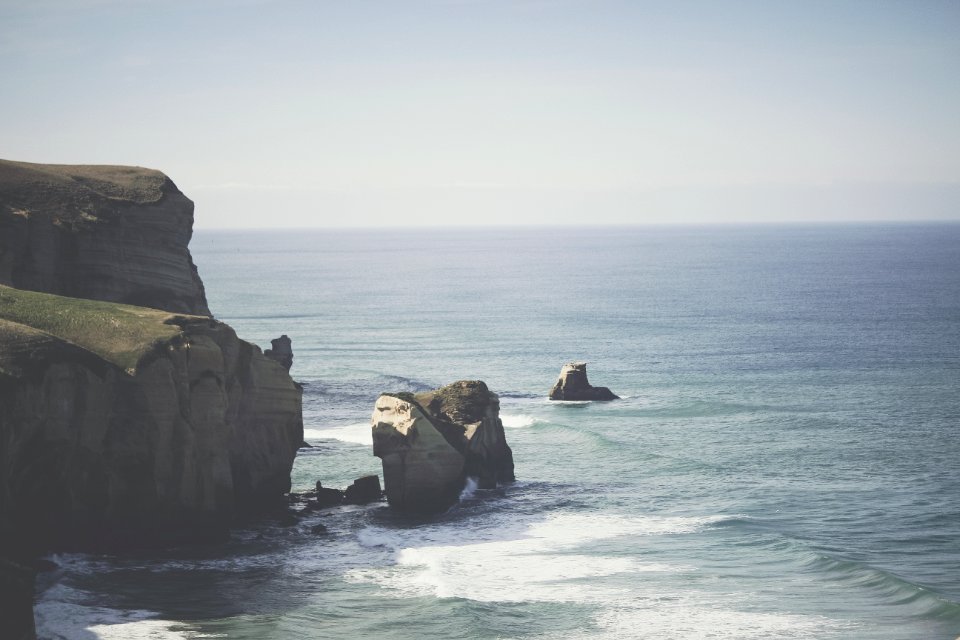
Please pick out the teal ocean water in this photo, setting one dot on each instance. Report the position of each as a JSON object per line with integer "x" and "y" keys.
{"x": 785, "y": 462}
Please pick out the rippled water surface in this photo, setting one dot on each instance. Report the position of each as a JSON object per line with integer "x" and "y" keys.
{"x": 784, "y": 463}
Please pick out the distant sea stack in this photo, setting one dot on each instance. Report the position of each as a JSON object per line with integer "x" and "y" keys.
{"x": 573, "y": 385}
{"x": 432, "y": 442}
{"x": 125, "y": 426}
{"x": 118, "y": 234}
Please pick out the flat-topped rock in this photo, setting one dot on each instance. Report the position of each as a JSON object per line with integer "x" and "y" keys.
{"x": 431, "y": 442}
{"x": 573, "y": 385}
{"x": 112, "y": 233}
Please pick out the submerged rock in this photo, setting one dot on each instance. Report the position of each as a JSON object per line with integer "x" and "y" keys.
{"x": 573, "y": 385}
{"x": 431, "y": 442}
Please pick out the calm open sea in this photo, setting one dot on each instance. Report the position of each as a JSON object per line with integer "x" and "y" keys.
{"x": 785, "y": 462}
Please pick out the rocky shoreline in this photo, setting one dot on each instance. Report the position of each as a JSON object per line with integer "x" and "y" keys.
{"x": 130, "y": 417}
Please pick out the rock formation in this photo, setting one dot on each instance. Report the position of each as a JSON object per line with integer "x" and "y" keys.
{"x": 431, "y": 442}
{"x": 573, "y": 385}
{"x": 123, "y": 425}
{"x": 118, "y": 234}
{"x": 363, "y": 491}
{"x": 282, "y": 351}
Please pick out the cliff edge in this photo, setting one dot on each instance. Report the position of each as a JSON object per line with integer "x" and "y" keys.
{"x": 111, "y": 233}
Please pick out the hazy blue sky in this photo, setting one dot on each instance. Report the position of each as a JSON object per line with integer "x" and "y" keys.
{"x": 313, "y": 113}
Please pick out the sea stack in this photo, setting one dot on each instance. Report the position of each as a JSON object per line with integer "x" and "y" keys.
{"x": 573, "y": 385}
{"x": 432, "y": 442}
{"x": 281, "y": 352}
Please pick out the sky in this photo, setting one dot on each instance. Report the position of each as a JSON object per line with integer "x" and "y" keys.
{"x": 355, "y": 113}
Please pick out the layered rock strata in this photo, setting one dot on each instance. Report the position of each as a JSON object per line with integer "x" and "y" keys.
{"x": 431, "y": 442}
{"x": 118, "y": 234}
{"x": 573, "y": 385}
{"x": 125, "y": 426}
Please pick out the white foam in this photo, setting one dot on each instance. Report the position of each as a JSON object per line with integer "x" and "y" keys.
{"x": 360, "y": 433}
{"x": 59, "y": 617}
{"x": 533, "y": 563}
{"x": 513, "y": 421}
{"x": 542, "y": 561}
{"x": 469, "y": 488}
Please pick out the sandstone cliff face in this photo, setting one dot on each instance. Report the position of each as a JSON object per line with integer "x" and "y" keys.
{"x": 158, "y": 428}
{"x": 118, "y": 234}
{"x": 431, "y": 442}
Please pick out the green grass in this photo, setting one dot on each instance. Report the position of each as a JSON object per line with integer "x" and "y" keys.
{"x": 118, "y": 333}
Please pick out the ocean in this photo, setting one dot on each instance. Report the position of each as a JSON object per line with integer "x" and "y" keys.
{"x": 784, "y": 461}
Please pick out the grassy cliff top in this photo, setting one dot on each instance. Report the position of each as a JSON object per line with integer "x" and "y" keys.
{"x": 118, "y": 333}
{"x": 74, "y": 196}
{"x": 132, "y": 184}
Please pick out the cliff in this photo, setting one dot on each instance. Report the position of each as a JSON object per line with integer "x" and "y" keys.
{"x": 118, "y": 234}
{"x": 431, "y": 442}
{"x": 122, "y": 425}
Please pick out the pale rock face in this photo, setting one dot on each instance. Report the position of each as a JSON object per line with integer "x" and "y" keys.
{"x": 117, "y": 234}
{"x": 431, "y": 442}
{"x": 420, "y": 468}
{"x": 573, "y": 385}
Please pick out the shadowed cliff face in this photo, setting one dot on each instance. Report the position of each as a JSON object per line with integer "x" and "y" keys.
{"x": 98, "y": 454}
{"x": 118, "y": 234}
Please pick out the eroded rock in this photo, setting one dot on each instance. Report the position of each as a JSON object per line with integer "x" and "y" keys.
{"x": 327, "y": 497}
{"x": 364, "y": 491}
{"x": 281, "y": 352}
{"x": 431, "y": 442}
{"x": 573, "y": 385}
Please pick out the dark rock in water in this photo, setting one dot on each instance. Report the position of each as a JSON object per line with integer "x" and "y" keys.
{"x": 573, "y": 385}
{"x": 431, "y": 442}
{"x": 306, "y": 445}
{"x": 16, "y": 600}
{"x": 319, "y": 530}
{"x": 282, "y": 352}
{"x": 118, "y": 234}
{"x": 328, "y": 497}
{"x": 364, "y": 490}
